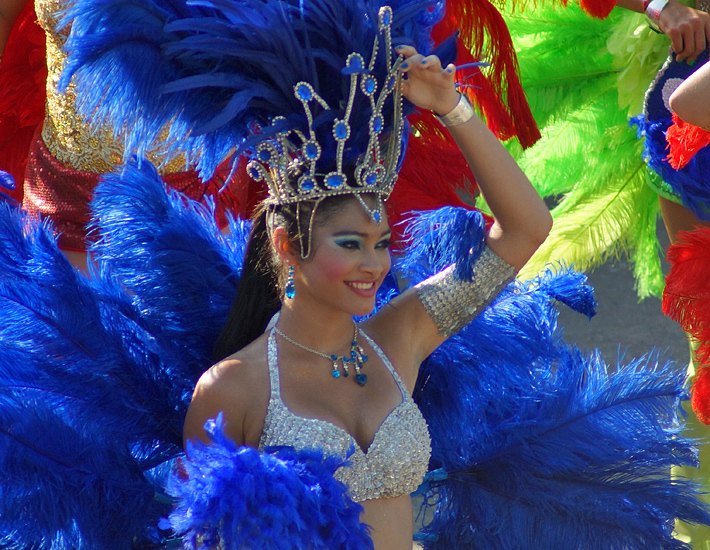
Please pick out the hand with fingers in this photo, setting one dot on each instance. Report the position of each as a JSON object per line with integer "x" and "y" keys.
{"x": 427, "y": 84}
{"x": 687, "y": 28}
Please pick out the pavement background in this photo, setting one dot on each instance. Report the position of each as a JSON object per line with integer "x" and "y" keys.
{"x": 623, "y": 324}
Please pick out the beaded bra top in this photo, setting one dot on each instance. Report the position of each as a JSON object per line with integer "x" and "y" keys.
{"x": 394, "y": 464}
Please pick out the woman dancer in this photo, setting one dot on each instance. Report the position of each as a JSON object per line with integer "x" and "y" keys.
{"x": 284, "y": 388}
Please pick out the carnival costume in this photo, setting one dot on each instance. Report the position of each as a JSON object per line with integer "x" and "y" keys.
{"x": 55, "y": 156}
{"x": 533, "y": 445}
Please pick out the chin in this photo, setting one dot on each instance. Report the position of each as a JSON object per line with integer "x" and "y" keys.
{"x": 364, "y": 310}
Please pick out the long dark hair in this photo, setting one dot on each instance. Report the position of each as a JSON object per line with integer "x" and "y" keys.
{"x": 261, "y": 284}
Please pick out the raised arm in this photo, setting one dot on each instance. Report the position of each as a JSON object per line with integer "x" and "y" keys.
{"x": 687, "y": 28}
{"x": 9, "y": 11}
{"x": 440, "y": 306}
{"x": 522, "y": 220}
{"x": 691, "y": 100}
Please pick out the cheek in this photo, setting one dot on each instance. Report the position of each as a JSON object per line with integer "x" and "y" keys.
{"x": 334, "y": 267}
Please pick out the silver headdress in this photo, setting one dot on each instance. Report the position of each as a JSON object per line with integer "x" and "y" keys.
{"x": 375, "y": 171}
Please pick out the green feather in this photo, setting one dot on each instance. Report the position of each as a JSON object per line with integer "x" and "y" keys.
{"x": 583, "y": 78}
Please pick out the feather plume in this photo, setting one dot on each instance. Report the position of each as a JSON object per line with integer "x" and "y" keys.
{"x": 580, "y": 98}
{"x": 23, "y": 76}
{"x": 215, "y": 71}
{"x": 686, "y": 299}
{"x": 498, "y": 92}
{"x": 279, "y": 499}
{"x": 685, "y": 140}
{"x": 512, "y": 408}
{"x": 84, "y": 406}
{"x": 169, "y": 253}
{"x": 588, "y": 230}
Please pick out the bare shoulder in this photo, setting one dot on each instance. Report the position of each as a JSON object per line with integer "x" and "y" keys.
{"x": 238, "y": 387}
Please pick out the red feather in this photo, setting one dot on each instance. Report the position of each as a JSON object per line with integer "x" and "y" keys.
{"x": 597, "y": 8}
{"x": 685, "y": 141}
{"x": 686, "y": 299}
{"x": 434, "y": 173}
{"x": 499, "y": 93}
{"x": 23, "y": 75}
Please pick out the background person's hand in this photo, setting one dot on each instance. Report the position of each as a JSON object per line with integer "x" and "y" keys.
{"x": 687, "y": 28}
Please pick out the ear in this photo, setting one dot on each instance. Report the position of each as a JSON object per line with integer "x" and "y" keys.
{"x": 283, "y": 246}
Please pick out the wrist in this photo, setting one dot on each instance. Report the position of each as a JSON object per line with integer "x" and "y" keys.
{"x": 447, "y": 104}
{"x": 461, "y": 112}
{"x": 653, "y": 9}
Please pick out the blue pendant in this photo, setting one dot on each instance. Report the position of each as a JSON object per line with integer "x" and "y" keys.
{"x": 290, "y": 290}
{"x": 361, "y": 379}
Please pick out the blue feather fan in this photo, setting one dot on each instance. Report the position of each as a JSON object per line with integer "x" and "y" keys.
{"x": 279, "y": 499}
{"x": 543, "y": 447}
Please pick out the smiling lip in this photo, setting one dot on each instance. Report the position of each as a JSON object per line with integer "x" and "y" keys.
{"x": 366, "y": 289}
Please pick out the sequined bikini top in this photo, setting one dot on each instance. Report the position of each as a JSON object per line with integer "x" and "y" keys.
{"x": 395, "y": 462}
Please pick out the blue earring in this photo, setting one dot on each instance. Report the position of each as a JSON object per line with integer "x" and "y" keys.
{"x": 290, "y": 289}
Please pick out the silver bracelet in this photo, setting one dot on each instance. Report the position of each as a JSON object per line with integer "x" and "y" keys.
{"x": 653, "y": 14}
{"x": 460, "y": 114}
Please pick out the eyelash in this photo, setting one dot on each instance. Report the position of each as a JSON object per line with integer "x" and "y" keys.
{"x": 354, "y": 245}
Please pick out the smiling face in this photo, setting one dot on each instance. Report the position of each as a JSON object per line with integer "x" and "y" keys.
{"x": 350, "y": 259}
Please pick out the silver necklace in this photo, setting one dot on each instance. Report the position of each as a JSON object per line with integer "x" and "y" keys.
{"x": 357, "y": 358}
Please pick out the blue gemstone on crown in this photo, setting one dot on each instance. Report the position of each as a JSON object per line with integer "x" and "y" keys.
{"x": 390, "y": 83}
{"x": 371, "y": 179}
{"x": 312, "y": 150}
{"x": 369, "y": 86}
{"x": 377, "y": 124}
{"x": 264, "y": 155}
{"x": 304, "y": 92}
{"x": 386, "y": 15}
{"x": 341, "y": 131}
{"x": 334, "y": 181}
{"x": 307, "y": 184}
{"x": 377, "y": 217}
{"x": 354, "y": 64}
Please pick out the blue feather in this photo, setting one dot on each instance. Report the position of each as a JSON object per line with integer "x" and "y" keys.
{"x": 169, "y": 253}
{"x": 213, "y": 70}
{"x": 440, "y": 238}
{"x": 543, "y": 447}
{"x": 87, "y": 403}
{"x": 280, "y": 499}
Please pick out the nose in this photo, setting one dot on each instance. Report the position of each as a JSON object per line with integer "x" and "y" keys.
{"x": 374, "y": 262}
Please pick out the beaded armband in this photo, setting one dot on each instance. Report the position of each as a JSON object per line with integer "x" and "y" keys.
{"x": 453, "y": 303}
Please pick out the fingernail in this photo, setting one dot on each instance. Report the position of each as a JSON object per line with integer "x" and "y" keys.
{"x": 398, "y": 48}
{"x": 449, "y": 70}
{"x": 691, "y": 63}
{"x": 423, "y": 61}
{"x": 404, "y": 65}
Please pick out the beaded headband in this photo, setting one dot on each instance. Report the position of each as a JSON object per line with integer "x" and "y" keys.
{"x": 375, "y": 171}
